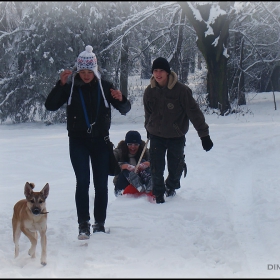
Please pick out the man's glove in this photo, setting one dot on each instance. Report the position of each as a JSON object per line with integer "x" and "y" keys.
{"x": 207, "y": 143}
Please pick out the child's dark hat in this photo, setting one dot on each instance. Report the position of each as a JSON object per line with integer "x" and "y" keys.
{"x": 133, "y": 136}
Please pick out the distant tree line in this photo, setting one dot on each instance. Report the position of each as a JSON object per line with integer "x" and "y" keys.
{"x": 238, "y": 42}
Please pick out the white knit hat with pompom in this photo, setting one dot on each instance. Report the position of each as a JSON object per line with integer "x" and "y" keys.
{"x": 87, "y": 60}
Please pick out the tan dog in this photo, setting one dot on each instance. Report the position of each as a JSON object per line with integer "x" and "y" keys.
{"x": 30, "y": 216}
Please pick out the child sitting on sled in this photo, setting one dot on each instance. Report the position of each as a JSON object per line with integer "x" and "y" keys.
{"x": 128, "y": 153}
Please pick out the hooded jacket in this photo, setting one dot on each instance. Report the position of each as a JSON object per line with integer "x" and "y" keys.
{"x": 168, "y": 110}
{"x": 95, "y": 108}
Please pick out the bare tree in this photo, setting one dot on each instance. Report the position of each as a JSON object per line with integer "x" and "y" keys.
{"x": 211, "y": 23}
{"x": 165, "y": 24}
{"x": 257, "y": 27}
{"x": 39, "y": 39}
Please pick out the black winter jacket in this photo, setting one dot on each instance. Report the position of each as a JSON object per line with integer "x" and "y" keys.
{"x": 76, "y": 122}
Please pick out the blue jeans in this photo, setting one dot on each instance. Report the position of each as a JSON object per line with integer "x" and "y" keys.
{"x": 82, "y": 152}
{"x": 173, "y": 148}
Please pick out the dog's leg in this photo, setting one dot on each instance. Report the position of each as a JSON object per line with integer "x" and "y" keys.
{"x": 32, "y": 250}
{"x": 32, "y": 236}
{"x": 16, "y": 236}
{"x": 44, "y": 247}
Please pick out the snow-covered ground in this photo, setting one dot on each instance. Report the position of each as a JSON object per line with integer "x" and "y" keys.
{"x": 224, "y": 221}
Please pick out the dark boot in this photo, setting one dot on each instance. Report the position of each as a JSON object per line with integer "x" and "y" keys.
{"x": 84, "y": 231}
{"x": 160, "y": 199}
{"x": 170, "y": 192}
{"x": 98, "y": 227}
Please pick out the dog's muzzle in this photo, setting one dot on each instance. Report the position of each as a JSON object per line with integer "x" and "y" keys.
{"x": 36, "y": 211}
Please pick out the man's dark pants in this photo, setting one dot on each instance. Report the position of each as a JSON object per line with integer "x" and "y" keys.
{"x": 173, "y": 149}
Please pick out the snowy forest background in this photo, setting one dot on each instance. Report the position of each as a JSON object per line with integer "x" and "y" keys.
{"x": 230, "y": 48}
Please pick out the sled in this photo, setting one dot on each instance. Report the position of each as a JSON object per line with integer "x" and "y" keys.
{"x": 131, "y": 190}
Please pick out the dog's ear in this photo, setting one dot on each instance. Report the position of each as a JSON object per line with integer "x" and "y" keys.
{"x": 28, "y": 189}
{"x": 45, "y": 190}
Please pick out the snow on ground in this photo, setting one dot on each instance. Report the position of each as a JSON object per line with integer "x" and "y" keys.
{"x": 224, "y": 222}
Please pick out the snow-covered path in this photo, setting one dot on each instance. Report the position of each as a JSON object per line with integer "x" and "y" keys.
{"x": 224, "y": 221}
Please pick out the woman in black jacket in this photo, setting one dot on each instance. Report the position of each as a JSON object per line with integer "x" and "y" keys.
{"x": 89, "y": 99}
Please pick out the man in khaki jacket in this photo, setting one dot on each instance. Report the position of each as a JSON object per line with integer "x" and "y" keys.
{"x": 169, "y": 106}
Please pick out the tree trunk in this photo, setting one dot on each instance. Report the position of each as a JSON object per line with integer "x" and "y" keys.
{"x": 212, "y": 41}
{"x": 217, "y": 83}
{"x": 175, "y": 60}
{"x": 275, "y": 80}
{"x": 199, "y": 61}
{"x": 236, "y": 77}
{"x": 185, "y": 71}
{"x": 241, "y": 86}
{"x": 124, "y": 68}
{"x": 146, "y": 65}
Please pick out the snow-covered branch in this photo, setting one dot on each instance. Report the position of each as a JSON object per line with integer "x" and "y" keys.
{"x": 5, "y": 34}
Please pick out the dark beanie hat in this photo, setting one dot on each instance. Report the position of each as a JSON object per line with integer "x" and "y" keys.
{"x": 161, "y": 63}
{"x": 133, "y": 137}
